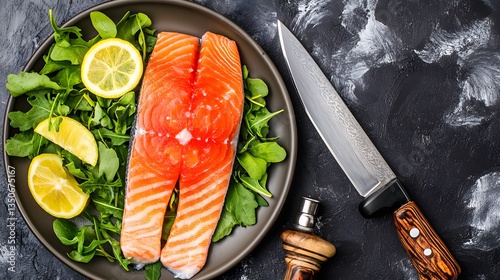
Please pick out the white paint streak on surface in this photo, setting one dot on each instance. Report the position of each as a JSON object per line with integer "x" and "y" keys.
{"x": 484, "y": 202}
{"x": 309, "y": 14}
{"x": 4, "y": 258}
{"x": 407, "y": 269}
{"x": 480, "y": 81}
{"x": 377, "y": 45}
{"x": 463, "y": 42}
{"x": 483, "y": 74}
{"x": 266, "y": 18}
{"x": 481, "y": 84}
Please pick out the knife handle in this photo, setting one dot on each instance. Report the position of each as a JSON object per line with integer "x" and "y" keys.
{"x": 428, "y": 254}
{"x": 305, "y": 253}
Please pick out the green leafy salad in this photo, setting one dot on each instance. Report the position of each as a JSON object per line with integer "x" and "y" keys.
{"x": 57, "y": 90}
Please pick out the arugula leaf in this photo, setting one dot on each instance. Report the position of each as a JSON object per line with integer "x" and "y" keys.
{"x": 76, "y": 101}
{"x": 52, "y": 66}
{"x": 103, "y": 24}
{"x": 128, "y": 27}
{"x": 226, "y": 223}
{"x": 256, "y": 167}
{"x": 256, "y": 87}
{"x": 69, "y": 234}
{"x": 167, "y": 224}
{"x": 261, "y": 201}
{"x": 117, "y": 252}
{"x": 258, "y": 123}
{"x": 79, "y": 257}
{"x": 91, "y": 248}
{"x": 61, "y": 34}
{"x": 105, "y": 207}
{"x": 254, "y": 185}
{"x": 67, "y": 48}
{"x": 108, "y": 162}
{"x": 72, "y": 50}
{"x": 153, "y": 271}
{"x": 26, "y": 82}
{"x": 26, "y": 144}
{"x": 66, "y": 231}
{"x": 101, "y": 118}
{"x": 268, "y": 151}
{"x": 123, "y": 119}
{"x": 242, "y": 205}
{"x": 116, "y": 139}
{"x": 76, "y": 171}
{"x": 239, "y": 209}
{"x": 139, "y": 24}
{"x": 69, "y": 77}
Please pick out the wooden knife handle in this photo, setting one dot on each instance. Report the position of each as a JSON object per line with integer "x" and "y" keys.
{"x": 305, "y": 253}
{"x": 428, "y": 254}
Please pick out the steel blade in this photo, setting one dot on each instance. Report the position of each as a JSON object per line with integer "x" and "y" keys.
{"x": 344, "y": 137}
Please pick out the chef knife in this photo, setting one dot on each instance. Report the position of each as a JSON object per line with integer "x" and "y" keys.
{"x": 362, "y": 163}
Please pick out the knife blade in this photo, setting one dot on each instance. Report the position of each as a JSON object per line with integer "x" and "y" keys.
{"x": 365, "y": 167}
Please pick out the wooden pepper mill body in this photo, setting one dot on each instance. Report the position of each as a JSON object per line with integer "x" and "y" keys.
{"x": 305, "y": 252}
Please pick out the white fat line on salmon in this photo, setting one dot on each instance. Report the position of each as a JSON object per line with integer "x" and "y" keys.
{"x": 202, "y": 220}
{"x": 146, "y": 199}
{"x": 148, "y": 187}
{"x": 145, "y": 214}
{"x": 195, "y": 214}
{"x": 204, "y": 182}
{"x": 206, "y": 192}
{"x": 199, "y": 231}
{"x": 150, "y": 233}
{"x": 137, "y": 223}
{"x": 186, "y": 257}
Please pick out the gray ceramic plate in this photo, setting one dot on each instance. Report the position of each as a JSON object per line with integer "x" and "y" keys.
{"x": 187, "y": 17}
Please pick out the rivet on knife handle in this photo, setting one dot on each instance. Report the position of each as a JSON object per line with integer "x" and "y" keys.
{"x": 428, "y": 254}
{"x": 306, "y": 252}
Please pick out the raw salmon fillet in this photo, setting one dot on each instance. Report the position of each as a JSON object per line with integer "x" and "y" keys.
{"x": 216, "y": 111}
{"x": 156, "y": 155}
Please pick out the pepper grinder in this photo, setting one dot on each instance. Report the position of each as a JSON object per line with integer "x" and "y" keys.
{"x": 305, "y": 252}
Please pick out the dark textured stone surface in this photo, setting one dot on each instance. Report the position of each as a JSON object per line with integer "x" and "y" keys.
{"x": 426, "y": 92}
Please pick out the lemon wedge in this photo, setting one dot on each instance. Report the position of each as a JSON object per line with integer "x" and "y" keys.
{"x": 71, "y": 136}
{"x": 54, "y": 188}
{"x": 111, "y": 68}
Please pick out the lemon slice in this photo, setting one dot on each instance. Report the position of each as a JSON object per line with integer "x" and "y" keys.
{"x": 54, "y": 188}
{"x": 111, "y": 68}
{"x": 71, "y": 136}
